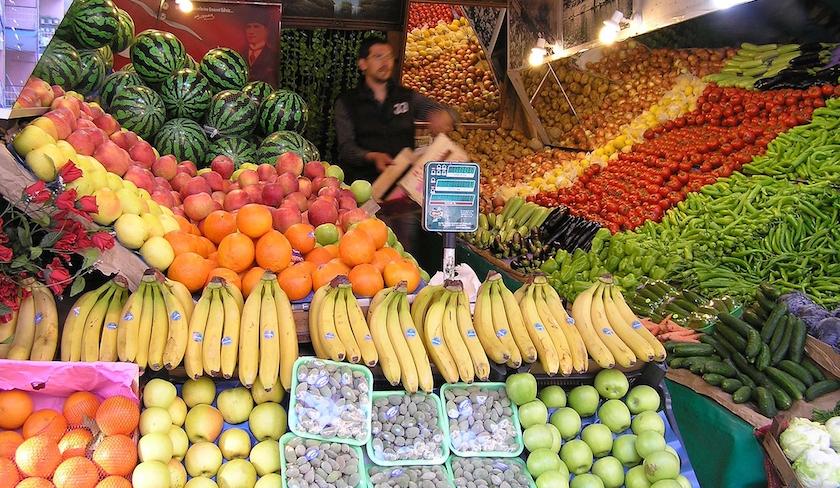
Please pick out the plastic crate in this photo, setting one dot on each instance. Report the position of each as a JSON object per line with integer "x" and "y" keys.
{"x": 363, "y": 482}
{"x": 514, "y": 418}
{"x": 440, "y": 459}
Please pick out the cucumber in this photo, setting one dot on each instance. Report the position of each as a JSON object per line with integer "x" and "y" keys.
{"x": 797, "y": 341}
{"x": 688, "y": 350}
{"x": 782, "y": 399}
{"x": 650, "y": 295}
{"x": 765, "y": 402}
{"x": 742, "y": 394}
{"x": 733, "y": 337}
{"x": 784, "y": 344}
{"x": 677, "y": 311}
{"x": 758, "y": 311}
{"x": 693, "y": 297}
{"x": 671, "y": 345}
{"x": 746, "y": 380}
{"x": 773, "y": 321}
{"x": 779, "y": 333}
{"x": 766, "y": 304}
{"x": 684, "y": 304}
{"x": 713, "y": 379}
{"x": 786, "y": 382}
{"x": 718, "y": 367}
{"x": 676, "y": 363}
{"x": 745, "y": 367}
{"x": 696, "y": 368}
{"x": 768, "y": 291}
{"x": 736, "y": 324}
{"x": 812, "y": 368}
{"x": 753, "y": 344}
{"x": 763, "y": 358}
{"x": 797, "y": 371}
{"x": 752, "y": 319}
{"x": 720, "y": 349}
{"x": 730, "y": 385}
{"x": 821, "y": 388}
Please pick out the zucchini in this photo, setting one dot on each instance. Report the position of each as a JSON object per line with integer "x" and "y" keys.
{"x": 742, "y": 394}
{"x": 688, "y": 350}
{"x": 718, "y": 367}
{"x": 812, "y": 368}
{"x": 786, "y": 382}
{"x": 730, "y": 385}
{"x": 765, "y": 402}
{"x": 763, "y": 358}
{"x": 713, "y": 379}
{"x": 821, "y": 388}
{"x": 796, "y": 371}
{"x": 773, "y": 321}
{"x": 784, "y": 345}
{"x": 753, "y": 344}
{"x": 752, "y": 319}
{"x": 782, "y": 399}
{"x": 733, "y": 337}
{"x": 797, "y": 341}
{"x": 736, "y": 324}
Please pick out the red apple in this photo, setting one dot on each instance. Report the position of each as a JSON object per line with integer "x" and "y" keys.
{"x": 163, "y": 197}
{"x": 248, "y": 177}
{"x": 84, "y": 111}
{"x": 162, "y": 183}
{"x": 179, "y": 181}
{"x": 265, "y": 170}
{"x": 254, "y": 193}
{"x": 107, "y": 123}
{"x": 58, "y": 91}
{"x": 64, "y": 120}
{"x": 223, "y": 165}
{"x": 346, "y": 203}
{"x": 314, "y": 169}
{"x": 305, "y": 186}
{"x": 71, "y": 103}
{"x": 143, "y": 153}
{"x": 285, "y": 217}
{"x": 214, "y": 180}
{"x": 114, "y": 158}
{"x": 165, "y": 166}
{"x": 188, "y": 167}
{"x": 236, "y": 199}
{"x": 288, "y": 182}
{"x": 323, "y": 211}
{"x": 272, "y": 194}
{"x": 96, "y": 111}
{"x": 289, "y": 162}
{"x": 328, "y": 191}
{"x": 199, "y": 205}
{"x": 176, "y": 197}
{"x": 85, "y": 141}
{"x": 351, "y": 217}
{"x": 141, "y": 177}
{"x": 300, "y": 200}
{"x": 218, "y": 196}
{"x": 196, "y": 184}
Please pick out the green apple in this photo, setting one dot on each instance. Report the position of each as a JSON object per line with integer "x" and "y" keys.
{"x": 361, "y": 190}
{"x": 238, "y": 473}
{"x": 577, "y": 456}
{"x": 235, "y": 444}
{"x": 326, "y": 234}
{"x": 159, "y": 393}
{"x": 661, "y": 465}
{"x": 648, "y": 442}
{"x": 610, "y": 470}
{"x": 584, "y": 399}
{"x": 567, "y": 422}
{"x": 553, "y": 396}
{"x": 155, "y": 419}
{"x": 556, "y": 438}
{"x": 336, "y": 172}
{"x": 203, "y": 459}
{"x": 615, "y": 415}
{"x": 599, "y": 439}
{"x": 155, "y": 447}
{"x": 553, "y": 479}
{"x": 201, "y": 390}
{"x": 521, "y": 388}
{"x": 611, "y": 383}
{"x": 624, "y": 449}
{"x": 235, "y": 404}
{"x": 635, "y": 478}
{"x": 587, "y": 480}
{"x": 265, "y": 457}
{"x": 150, "y": 474}
{"x": 542, "y": 460}
{"x": 648, "y": 420}
{"x": 538, "y": 437}
{"x": 667, "y": 483}
{"x": 683, "y": 481}
{"x": 267, "y": 421}
{"x": 641, "y": 398}
{"x": 533, "y": 413}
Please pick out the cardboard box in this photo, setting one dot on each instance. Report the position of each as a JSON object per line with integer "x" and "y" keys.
{"x": 441, "y": 149}
{"x": 392, "y": 174}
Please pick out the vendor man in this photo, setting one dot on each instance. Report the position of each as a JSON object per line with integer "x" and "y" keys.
{"x": 375, "y": 121}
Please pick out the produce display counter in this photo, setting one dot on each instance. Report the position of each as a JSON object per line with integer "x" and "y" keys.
{"x": 482, "y": 262}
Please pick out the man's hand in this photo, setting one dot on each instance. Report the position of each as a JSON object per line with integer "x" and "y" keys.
{"x": 381, "y": 160}
{"x": 440, "y": 122}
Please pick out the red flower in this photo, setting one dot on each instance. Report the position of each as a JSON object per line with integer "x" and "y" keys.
{"x": 6, "y": 254}
{"x": 37, "y": 192}
{"x": 69, "y": 172}
{"x": 87, "y": 204}
{"x": 67, "y": 242}
{"x": 66, "y": 201}
{"x": 103, "y": 240}
{"x": 56, "y": 276}
{"x": 9, "y": 293}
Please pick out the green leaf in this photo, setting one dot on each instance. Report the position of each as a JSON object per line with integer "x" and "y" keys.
{"x": 50, "y": 238}
{"x": 90, "y": 256}
{"x": 35, "y": 252}
{"x": 23, "y": 235}
{"x": 78, "y": 286}
{"x": 20, "y": 261}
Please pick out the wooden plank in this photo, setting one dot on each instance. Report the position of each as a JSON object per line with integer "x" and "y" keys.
{"x": 496, "y": 262}
{"x": 533, "y": 119}
{"x": 824, "y": 355}
{"x": 20, "y": 113}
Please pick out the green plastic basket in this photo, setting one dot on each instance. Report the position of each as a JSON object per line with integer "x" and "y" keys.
{"x": 366, "y": 408}
{"x": 363, "y": 480}
{"x": 515, "y": 419}
{"x": 444, "y": 454}
{"x": 444, "y": 467}
{"x": 514, "y": 460}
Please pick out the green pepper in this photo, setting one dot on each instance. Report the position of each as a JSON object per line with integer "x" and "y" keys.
{"x": 548, "y": 266}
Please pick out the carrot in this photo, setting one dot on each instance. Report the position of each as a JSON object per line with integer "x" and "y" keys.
{"x": 676, "y": 336}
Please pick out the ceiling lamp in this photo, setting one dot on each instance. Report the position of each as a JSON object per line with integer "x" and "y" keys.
{"x": 538, "y": 53}
{"x": 609, "y": 32}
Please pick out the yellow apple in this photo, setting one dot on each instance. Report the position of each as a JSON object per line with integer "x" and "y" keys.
{"x": 177, "y": 474}
{"x": 168, "y": 222}
{"x": 74, "y": 94}
{"x": 153, "y": 226}
{"x": 157, "y": 252}
{"x": 180, "y": 442}
{"x": 155, "y": 419}
{"x": 178, "y": 411}
{"x": 114, "y": 181}
{"x": 129, "y": 199}
{"x": 203, "y": 459}
{"x": 202, "y": 171}
{"x": 42, "y": 161}
{"x": 81, "y": 185}
{"x": 47, "y": 125}
{"x": 271, "y": 480}
{"x": 150, "y": 474}
{"x": 130, "y": 185}
{"x": 69, "y": 153}
{"x": 155, "y": 447}
{"x": 154, "y": 208}
{"x": 31, "y": 137}
{"x": 131, "y": 230}
{"x": 144, "y": 195}
{"x": 98, "y": 179}
{"x": 108, "y": 206}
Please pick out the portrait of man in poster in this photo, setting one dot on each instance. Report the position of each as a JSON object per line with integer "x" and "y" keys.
{"x": 261, "y": 50}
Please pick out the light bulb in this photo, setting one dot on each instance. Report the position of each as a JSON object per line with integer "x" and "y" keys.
{"x": 537, "y": 56}
{"x": 724, "y": 4}
{"x": 608, "y": 33}
{"x": 186, "y": 6}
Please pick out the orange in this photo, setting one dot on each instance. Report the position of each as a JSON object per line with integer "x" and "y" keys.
{"x": 254, "y": 220}
{"x": 118, "y": 415}
{"x": 366, "y": 280}
{"x": 114, "y": 482}
{"x": 205, "y": 246}
{"x": 75, "y": 443}
{"x": 180, "y": 241}
{"x": 301, "y": 237}
{"x": 384, "y": 256}
{"x": 9, "y": 475}
{"x": 213, "y": 260}
{"x": 402, "y": 270}
{"x": 116, "y": 455}
{"x": 325, "y": 273}
{"x": 9, "y": 442}
{"x": 80, "y": 405}
{"x": 226, "y": 274}
{"x": 296, "y": 280}
{"x": 190, "y": 269}
{"x": 332, "y": 249}
{"x": 38, "y": 456}
{"x": 15, "y": 408}
{"x": 319, "y": 255}
{"x": 273, "y": 251}
{"x": 376, "y": 230}
{"x": 236, "y": 252}
{"x": 46, "y": 422}
{"x": 251, "y": 278}
{"x": 77, "y": 472}
{"x": 184, "y": 223}
{"x": 35, "y": 483}
{"x": 218, "y": 225}
{"x": 355, "y": 247}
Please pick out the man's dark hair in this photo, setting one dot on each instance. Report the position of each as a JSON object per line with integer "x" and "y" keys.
{"x": 364, "y": 49}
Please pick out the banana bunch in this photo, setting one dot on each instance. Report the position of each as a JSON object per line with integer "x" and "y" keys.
{"x": 449, "y": 334}
{"x": 213, "y": 331}
{"x": 267, "y": 335}
{"x": 337, "y": 326}
{"x": 90, "y": 330}
{"x": 32, "y": 332}
{"x": 147, "y": 327}
{"x": 612, "y": 333}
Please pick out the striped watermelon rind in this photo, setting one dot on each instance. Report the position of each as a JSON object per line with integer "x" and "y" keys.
{"x": 140, "y": 109}
{"x": 107, "y": 57}
{"x": 93, "y": 72}
{"x": 116, "y": 82}
{"x": 59, "y": 65}
{"x": 128, "y": 67}
{"x": 238, "y": 149}
{"x": 125, "y": 32}
{"x": 94, "y": 23}
{"x": 231, "y": 113}
{"x": 258, "y": 90}
{"x": 225, "y": 69}
{"x": 283, "y": 110}
{"x": 186, "y": 94}
{"x": 156, "y": 55}
{"x": 190, "y": 63}
{"x": 183, "y": 138}
{"x": 283, "y": 141}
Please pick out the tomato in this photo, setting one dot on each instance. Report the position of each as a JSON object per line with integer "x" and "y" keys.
{"x": 827, "y": 90}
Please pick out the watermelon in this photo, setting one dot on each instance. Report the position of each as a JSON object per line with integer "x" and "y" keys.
{"x": 225, "y": 69}
{"x": 107, "y": 57}
{"x": 140, "y": 109}
{"x": 231, "y": 113}
{"x": 94, "y": 23}
{"x": 258, "y": 90}
{"x": 190, "y": 63}
{"x": 283, "y": 110}
{"x": 59, "y": 65}
{"x": 125, "y": 32}
{"x": 236, "y": 148}
{"x": 156, "y": 55}
{"x": 285, "y": 141}
{"x": 185, "y": 94}
{"x": 183, "y": 138}
{"x": 93, "y": 72}
{"x": 117, "y": 82}
{"x": 129, "y": 68}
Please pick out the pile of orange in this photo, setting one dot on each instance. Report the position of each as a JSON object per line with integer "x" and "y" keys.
{"x": 47, "y": 448}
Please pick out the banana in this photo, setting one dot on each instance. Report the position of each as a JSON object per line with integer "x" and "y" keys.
{"x": 622, "y": 354}
{"x": 577, "y": 348}
{"x": 438, "y": 352}
{"x": 108, "y": 343}
{"x": 7, "y": 333}
{"x": 144, "y": 334}
{"x": 630, "y": 318}
{"x": 481, "y": 365}
{"x": 549, "y": 358}
{"x": 379, "y": 331}
{"x": 634, "y": 341}
{"x": 582, "y": 315}
{"x": 85, "y": 345}
{"x": 502, "y": 328}
{"x": 483, "y": 324}
{"x": 183, "y": 294}
{"x": 230, "y": 332}
{"x": 425, "y": 379}
{"x": 46, "y": 325}
{"x": 25, "y": 331}
{"x": 211, "y": 348}
{"x": 269, "y": 336}
{"x": 287, "y": 329}
{"x": 326, "y": 325}
{"x": 517, "y": 324}
{"x": 561, "y": 345}
{"x": 160, "y": 328}
{"x": 75, "y": 321}
{"x": 193, "y": 362}
{"x": 377, "y": 300}
{"x": 342, "y": 326}
{"x": 360, "y": 329}
{"x": 408, "y": 371}
{"x": 421, "y": 304}
{"x": 177, "y": 328}
{"x": 235, "y": 292}
{"x": 249, "y": 336}
{"x": 314, "y": 320}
